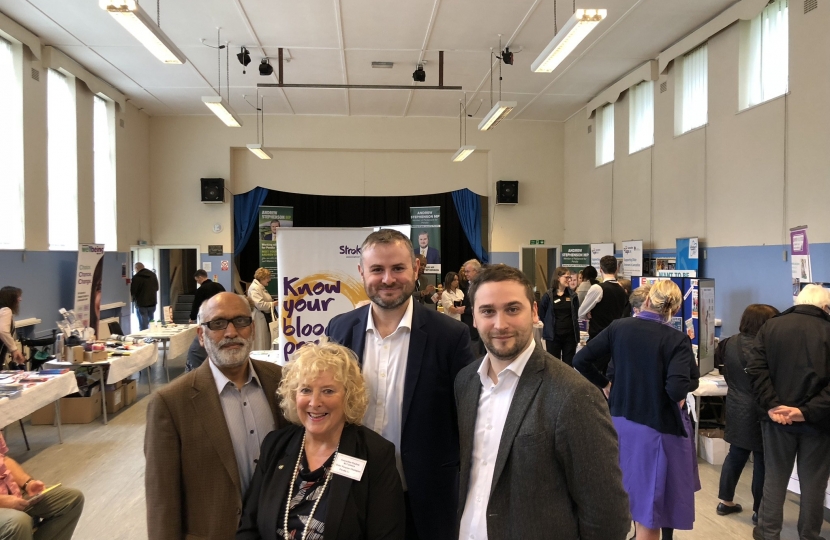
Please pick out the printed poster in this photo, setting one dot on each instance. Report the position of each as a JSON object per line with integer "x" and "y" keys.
{"x": 271, "y": 220}
{"x": 426, "y": 235}
{"x": 576, "y": 256}
{"x": 632, "y": 258}
{"x": 687, "y": 256}
{"x": 706, "y": 310}
{"x": 317, "y": 286}
{"x": 598, "y": 251}
{"x": 88, "y": 283}
{"x": 800, "y": 249}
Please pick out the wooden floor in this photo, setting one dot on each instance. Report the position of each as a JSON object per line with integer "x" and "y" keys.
{"x": 107, "y": 464}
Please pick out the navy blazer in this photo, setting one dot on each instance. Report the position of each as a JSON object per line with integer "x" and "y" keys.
{"x": 439, "y": 347}
{"x": 433, "y": 255}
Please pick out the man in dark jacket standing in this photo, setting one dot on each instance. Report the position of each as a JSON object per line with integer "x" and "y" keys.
{"x": 143, "y": 289}
{"x": 197, "y": 354}
{"x": 790, "y": 371}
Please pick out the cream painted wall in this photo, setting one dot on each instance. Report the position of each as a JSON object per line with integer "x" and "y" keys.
{"x": 724, "y": 182}
{"x": 368, "y": 156}
{"x": 132, "y": 164}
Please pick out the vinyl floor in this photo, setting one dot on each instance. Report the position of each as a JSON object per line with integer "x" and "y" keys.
{"x": 106, "y": 462}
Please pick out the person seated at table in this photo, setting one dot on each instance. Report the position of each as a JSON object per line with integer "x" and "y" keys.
{"x": 55, "y": 514}
{"x": 296, "y": 489}
{"x": 10, "y": 298}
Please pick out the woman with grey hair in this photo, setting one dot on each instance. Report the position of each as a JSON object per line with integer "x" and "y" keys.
{"x": 327, "y": 476}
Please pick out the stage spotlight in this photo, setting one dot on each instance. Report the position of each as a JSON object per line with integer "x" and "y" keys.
{"x": 265, "y": 68}
{"x": 507, "y": 56}
{"x": 419, "y": 75}
{"x": 244, "y": 58}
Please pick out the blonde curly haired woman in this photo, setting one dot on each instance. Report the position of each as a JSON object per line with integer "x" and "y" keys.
{"x": 301, "y": 488}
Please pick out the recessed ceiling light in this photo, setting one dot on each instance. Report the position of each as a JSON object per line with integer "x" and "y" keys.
{"x": 383, "y": 65}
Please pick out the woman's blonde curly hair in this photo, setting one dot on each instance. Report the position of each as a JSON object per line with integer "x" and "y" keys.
{"x": 262, "y": 274}
{"x": 307, "y": 364}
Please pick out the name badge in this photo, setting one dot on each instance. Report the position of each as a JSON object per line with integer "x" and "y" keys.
{"x": 348, "y": 466}
{"x": 557, "y": 300}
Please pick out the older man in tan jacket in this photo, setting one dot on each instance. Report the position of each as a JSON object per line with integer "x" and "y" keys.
{"x": 205, "y": 428}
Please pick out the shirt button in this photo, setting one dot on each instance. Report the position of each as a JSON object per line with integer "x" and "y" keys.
{"x": 484, "y": 462}
{"x": 489, "y": 426}
{"x": 383, "y": 374}
{"x": 252, "y": 432}
{"x": 244, "y": 403}
{"x": 478, "y": 499}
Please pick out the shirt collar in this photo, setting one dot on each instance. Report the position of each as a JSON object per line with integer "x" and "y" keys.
{"x": 222, "y": 381}
{"x": 517, "y": 366}
{"x": 406, "y": 320}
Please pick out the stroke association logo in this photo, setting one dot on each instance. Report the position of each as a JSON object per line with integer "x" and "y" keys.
{"x": 350, "y": 252}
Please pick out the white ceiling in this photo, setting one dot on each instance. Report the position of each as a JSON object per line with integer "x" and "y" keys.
{"x": 335, "y": 41}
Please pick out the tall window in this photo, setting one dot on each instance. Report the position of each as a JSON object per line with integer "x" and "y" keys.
{"x": 765, "y": 55}
{"x": 104, "y": 149}
{"x": 641, "y": 116}
{"x": 694, "y": 90}
{"x": 62, "y": 163}
{"x": 605, "y": 134}
{"x": 11, "y": 151}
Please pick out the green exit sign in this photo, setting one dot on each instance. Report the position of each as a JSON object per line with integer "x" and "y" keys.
{"x": 537, "y": 242}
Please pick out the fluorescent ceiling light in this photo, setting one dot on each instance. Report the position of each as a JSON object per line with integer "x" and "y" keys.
{"x": 383, "y": 65}
{"x": 463, "y": 152}
{"x": 259, "y": 152}
{"x": 496, "y": 114}
{"x": 220, "y": 108}
{"x": 564, "y": 42}
{"x": 130, "y": 15}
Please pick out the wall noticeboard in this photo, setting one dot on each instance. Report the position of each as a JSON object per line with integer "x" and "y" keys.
{"x": 215, "y": 251}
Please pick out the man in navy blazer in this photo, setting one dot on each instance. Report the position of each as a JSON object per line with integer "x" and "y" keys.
{"x": 410, "y": 356}
{"x": 432, "y": 254}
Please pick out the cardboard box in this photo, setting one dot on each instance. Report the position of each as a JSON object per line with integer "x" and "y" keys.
{"x": 115, "y": 398}
{"x": 74, "y": 410}
{"x": 130, "y": 390}
{"x": 74, "y": 354}
{"x": 711, "y": 446}
{"x": 95, "y": 356}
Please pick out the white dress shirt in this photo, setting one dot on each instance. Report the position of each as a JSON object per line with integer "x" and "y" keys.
{"x": 448, "y": 299}
{"x": 384, "y": 370}
{"x": 493, "y": 405}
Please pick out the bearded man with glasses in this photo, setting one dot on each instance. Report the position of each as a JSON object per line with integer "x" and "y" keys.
{"x": 205, "y": 429}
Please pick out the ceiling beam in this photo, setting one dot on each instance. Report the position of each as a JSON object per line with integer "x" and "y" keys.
{"x": 357, "y": 86}
{"x": 339, "y": 21}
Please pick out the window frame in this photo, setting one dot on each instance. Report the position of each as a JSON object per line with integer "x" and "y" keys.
{"x": 605, "y": 129}
{"x": 685, "y": 94}
{"x": 637, "y": 95}
{"x": 105, "y": 233}
{"x": 63, "y": 166}
{"x": 12, "y": 225}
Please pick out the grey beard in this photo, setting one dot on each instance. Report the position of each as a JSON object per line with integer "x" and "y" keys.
{"x": 229, "y": 358}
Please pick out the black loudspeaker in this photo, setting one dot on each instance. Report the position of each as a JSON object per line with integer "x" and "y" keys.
{"x": 507, "y": 192}
{"x": 213, "y": 190}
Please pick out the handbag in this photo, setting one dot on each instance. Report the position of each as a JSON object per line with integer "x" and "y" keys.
{"x": 274, "y": 325}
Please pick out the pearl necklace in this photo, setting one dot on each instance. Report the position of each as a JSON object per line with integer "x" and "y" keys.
{"x": 291, "y": 489}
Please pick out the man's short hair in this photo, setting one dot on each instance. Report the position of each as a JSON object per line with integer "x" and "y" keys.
{"x": 608, "y": 264}
{"x": 500, "y": 272}
{"x": 638, "y": 297}
{"x": 814, "y": 295}
{"x": 423, "y": 233}
{"x": 200, "y": 273}
{"x": 387, "y": 237}
{"x": 472, "y": 262}
{"x": 139, "y": 266}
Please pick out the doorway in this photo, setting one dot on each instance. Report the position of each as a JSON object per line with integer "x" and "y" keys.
{"x": 176, "y": 284}
{"x": 538, "y": 264}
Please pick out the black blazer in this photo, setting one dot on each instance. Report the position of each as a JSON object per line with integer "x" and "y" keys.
{"x": 371, "y": 509}
{"x": 439, "y": 347}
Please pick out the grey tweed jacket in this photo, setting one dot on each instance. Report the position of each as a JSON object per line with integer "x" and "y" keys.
{"x": 557, "y": 473}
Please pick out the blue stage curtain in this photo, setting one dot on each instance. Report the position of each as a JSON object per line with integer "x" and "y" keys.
{"x": 245, "y": 216}
{"x": 468, "y": 207}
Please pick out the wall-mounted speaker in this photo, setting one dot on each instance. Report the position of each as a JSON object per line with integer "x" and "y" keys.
{"x": 213, "y": 190}
{"x": 507, "y": 192}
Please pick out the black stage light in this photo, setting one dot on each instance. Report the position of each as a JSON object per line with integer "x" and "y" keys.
{"x": 265, "y": 68}
{"x": 419, "y": 75}
{"x": 244, "y": 58}
{"x": 507, "y": 56}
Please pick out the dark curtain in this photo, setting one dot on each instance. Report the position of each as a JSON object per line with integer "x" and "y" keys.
{"x": 245, "y": 216}
{"x": 341, "y": 211}
{"x": 468, "y": 207}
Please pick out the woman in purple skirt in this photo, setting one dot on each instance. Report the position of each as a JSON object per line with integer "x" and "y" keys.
{"x": 654, "y": 370}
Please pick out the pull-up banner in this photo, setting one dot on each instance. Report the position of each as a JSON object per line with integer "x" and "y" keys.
{"x": 318, "y": 280}
{"x": 576, "y": 256}
{"x": 271, "y": 220}
{"x": 88, "y": 281}
{"x": 598, "y": 251}
{"x": 426, "y": 235}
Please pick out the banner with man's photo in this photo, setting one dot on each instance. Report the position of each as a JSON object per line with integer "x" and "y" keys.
{"x": 426, "y": 235}
{"x": 317, "y": 286}
{"x": 271, "y": 219}
{"x": 88, "y": 282}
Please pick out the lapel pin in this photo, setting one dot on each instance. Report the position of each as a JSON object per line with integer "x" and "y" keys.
{"x": 281, "y": 466}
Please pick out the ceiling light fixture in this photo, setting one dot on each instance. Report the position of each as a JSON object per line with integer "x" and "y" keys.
{"x": 265, "y": 67}
{"x": 502, "y": 108}
{"x": 567, "y": 39}
{"x": 259, "y": 151}
{"x": 244, "y": 58}
{"x": 258, "y": 148}
{"x": 419, "y": 75}
{"x": 217, "y": 104}
{"x": 464, "y": 150}
{"x": 136, "y": 21}
{"x": 383, "y": 65}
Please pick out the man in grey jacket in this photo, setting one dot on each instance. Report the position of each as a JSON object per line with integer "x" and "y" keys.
{"x": 539, "y": 454}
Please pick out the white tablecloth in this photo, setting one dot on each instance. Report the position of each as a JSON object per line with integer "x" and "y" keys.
{"x": 35, "y": 397}
{"x": 122, "y": 367}
{"x": 180, "y": 338}
{"x": 711, "y": 385}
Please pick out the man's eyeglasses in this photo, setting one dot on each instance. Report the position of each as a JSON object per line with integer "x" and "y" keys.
{"x": 221, "y": 324}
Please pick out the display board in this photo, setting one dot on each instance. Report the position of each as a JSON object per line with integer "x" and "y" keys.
{"x": 576, "y": 256}
{"x": 271, "y": 220}
{"x": 598, "y": 251}
{"x": 687, "y": 251}
{"x": 89, "y": 279}
{"x": 426, "y": 235}
{"x": 632, "y": 258}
